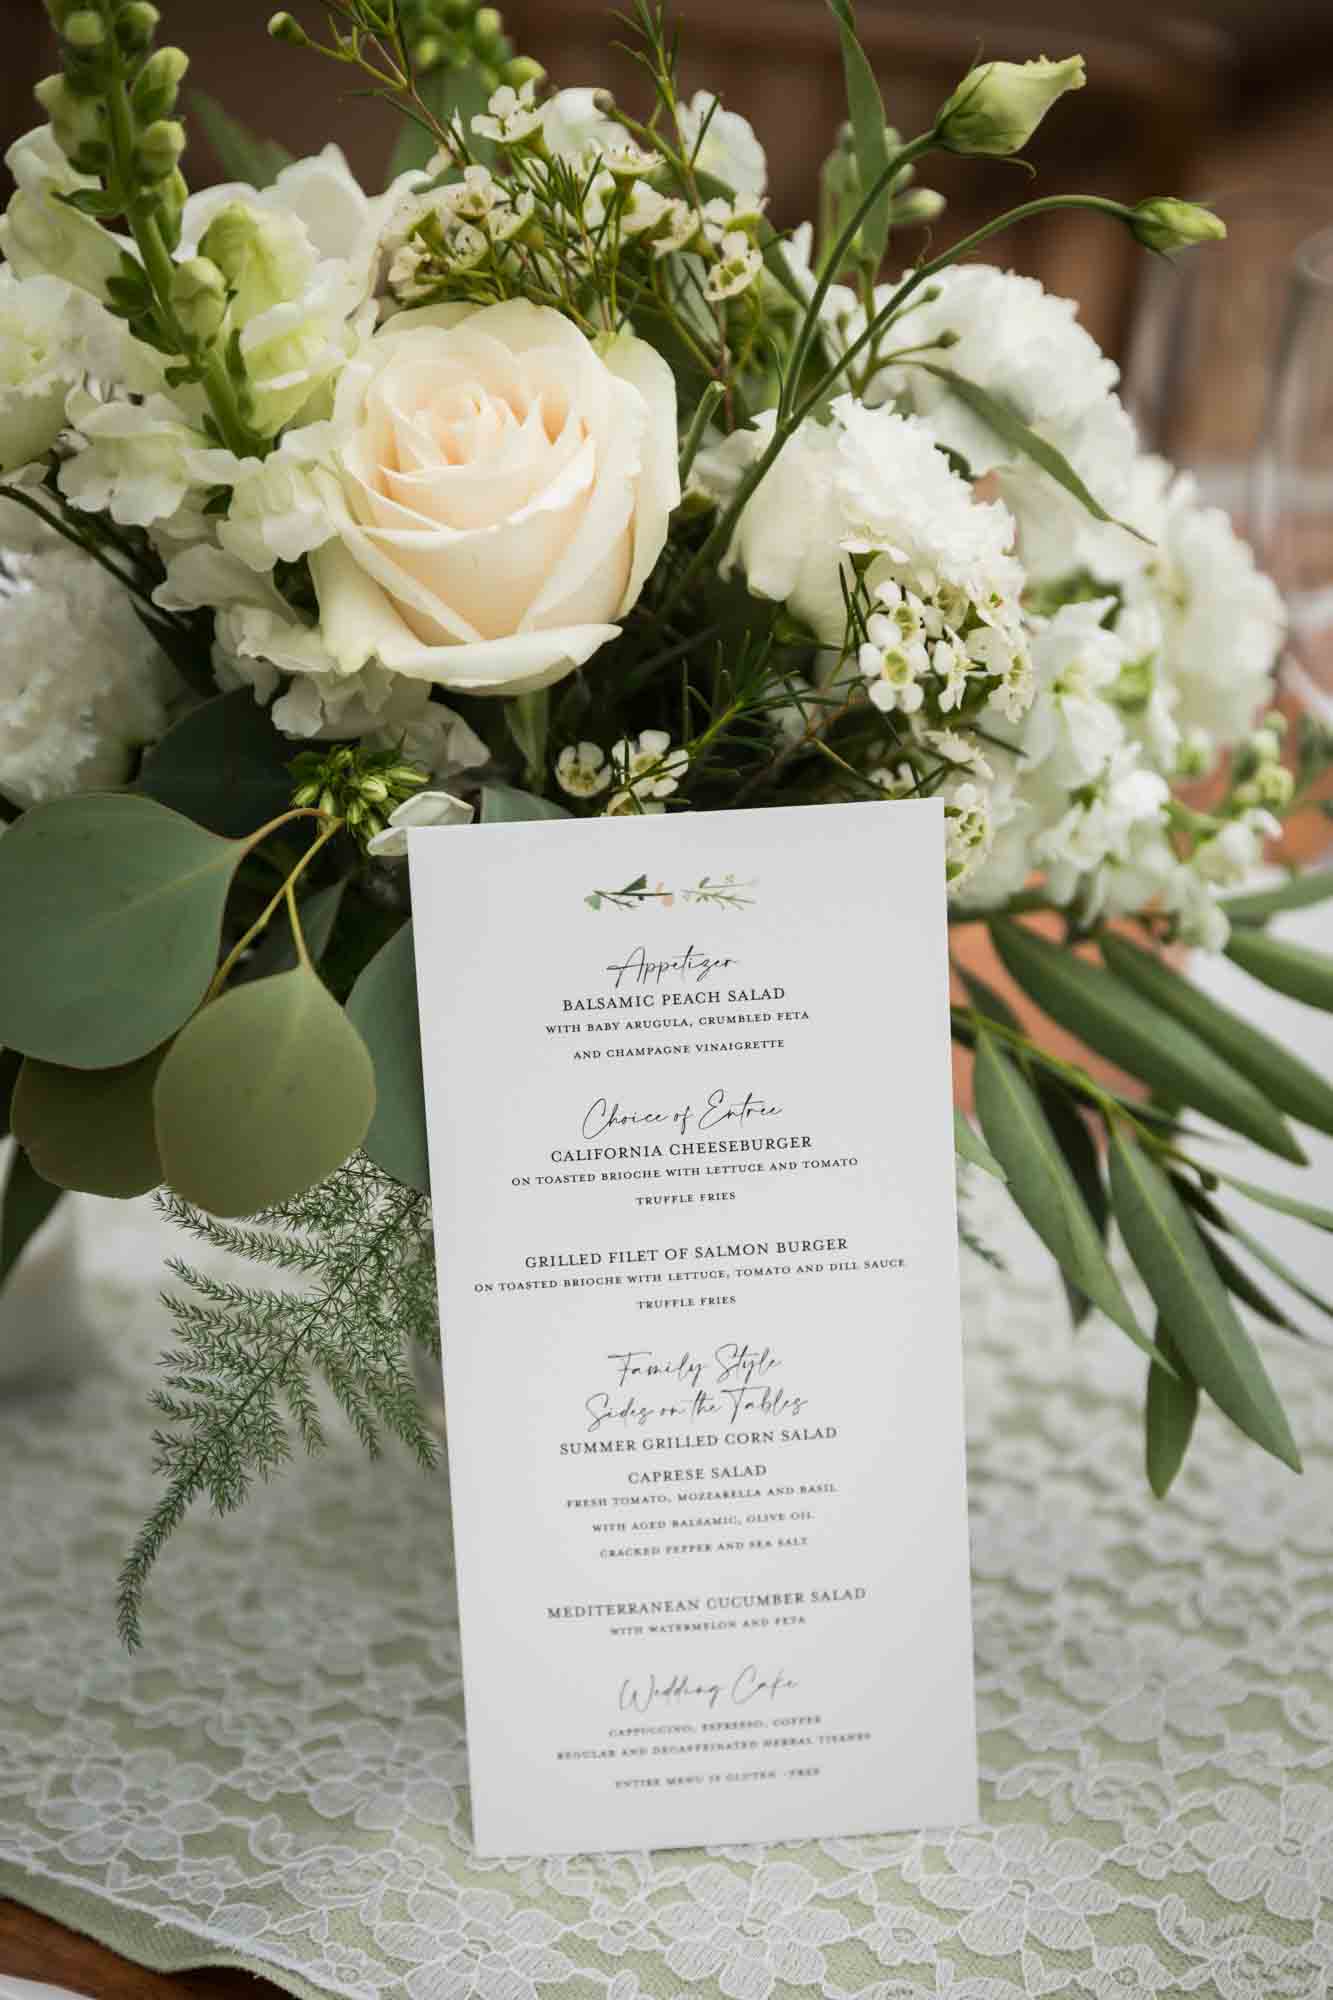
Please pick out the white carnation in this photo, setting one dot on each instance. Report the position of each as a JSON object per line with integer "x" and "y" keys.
{"x": 82, "y": 685}
{"x": 1023, "y": 345}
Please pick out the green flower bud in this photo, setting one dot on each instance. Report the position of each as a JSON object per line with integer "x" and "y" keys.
{"x": 427, "y": 52}
{"x": 76, "y": 122}
{"x": 286, "y": 28}
{"x": 156, "y": 86}
{"x": 85, "y": 29}
{"x": 488, "y": 25}
{"x": 521, "y": 70}
{"x": 160, "y": 147}
{"x": 917, "y": 206}
{"x": 999, "y": 105}
{"x": 136, "y": 25}
{"x": 1165, "y": 224}
{"x": 172, "y": 195}
{"x": 199, "y": 297}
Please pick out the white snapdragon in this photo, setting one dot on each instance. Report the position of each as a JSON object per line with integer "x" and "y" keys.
{"x": 40, "y": 233}
{"x": 1098, "y": 826}
{"x": 134, "y": 460}
{"x": 53, "y": 338}
{"x": 82, "y": 684}
{"x": 1226, "y": 857}
{"x": 582, "y": 770}
{"x": 278, "y": 509}
{"x": 258, "y": 641}
{"x": 1074, "y": 726}
{"x": 425, "y": 809}
{"x": 723, "y": 143}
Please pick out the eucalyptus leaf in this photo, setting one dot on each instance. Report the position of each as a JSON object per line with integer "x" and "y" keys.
{"x": 1290, "y": 1084}
{"x": 1288, "y": 968}
{"x": 865, "y": 108}
{"x": 224, "y": 765}
{"x": 505, "y": 802}
{"x": 90, "y": 1129}
{"x": 10, "y": 1061}
{"x": 972, "y": 1148}
{"x": 266, "y": 1092}
{"x": 1298, "y": 892}
{"x": 1042, "y": 1185}
{"x": 1172, "y": 1405}
{"x": 25, "y": 1204}
{"x": 1165, "y": 1245}
{"x": 113, "y": 905}
{"x": 1130, "y": 1031}
{"x": 383, "y": 1006}
{"x": 1007, "y": 424}
{"x": 242, "y": 155}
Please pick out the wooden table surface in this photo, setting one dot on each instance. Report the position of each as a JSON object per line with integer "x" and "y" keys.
{"x": 34, "y": 1947}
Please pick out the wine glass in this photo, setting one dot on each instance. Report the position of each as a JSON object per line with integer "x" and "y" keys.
{"x": 1205, "y": 331}
{"x": 1293, "y": 475}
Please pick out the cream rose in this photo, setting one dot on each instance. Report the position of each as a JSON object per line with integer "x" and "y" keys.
{"x": 502, "y": 491}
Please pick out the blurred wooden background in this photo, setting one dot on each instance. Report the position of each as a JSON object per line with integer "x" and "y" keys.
{"x": 1199, "y": 96}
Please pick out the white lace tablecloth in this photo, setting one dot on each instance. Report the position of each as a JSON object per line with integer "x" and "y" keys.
{"x": 279, "y": 1779}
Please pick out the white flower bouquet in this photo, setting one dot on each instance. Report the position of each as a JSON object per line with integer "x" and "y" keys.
{"x": 552, "y": 480}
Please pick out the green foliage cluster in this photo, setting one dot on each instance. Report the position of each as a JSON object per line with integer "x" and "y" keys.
{"x": 357, "y": 1278}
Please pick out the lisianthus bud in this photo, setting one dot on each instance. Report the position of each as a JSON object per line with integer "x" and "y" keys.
{"x": 155, "y": 87}
{"x": 999, "y": 105}
{"x": 285, "y": 28}
{"x": 199, "y": 297}
{"x": 136, "y": 25}
{"x": 84, "y": 29}
{"x": 160, "y": 147}
{"x": 1166, "y": 224}
{"x": 918, "y": 205}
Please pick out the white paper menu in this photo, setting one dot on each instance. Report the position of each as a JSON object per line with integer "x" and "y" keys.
{"x": 691, "y": 1148}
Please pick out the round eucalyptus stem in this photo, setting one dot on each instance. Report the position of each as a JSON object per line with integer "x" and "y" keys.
{"x": 285, "y": 892}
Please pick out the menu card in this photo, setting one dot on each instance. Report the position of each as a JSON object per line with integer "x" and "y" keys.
{"x": 691, "y": 1149}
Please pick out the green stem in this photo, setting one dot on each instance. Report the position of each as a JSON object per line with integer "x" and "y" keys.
{"x": 918, "y": 277}
{"x": 159, "y": 269}
{"x": 286, "y": 892}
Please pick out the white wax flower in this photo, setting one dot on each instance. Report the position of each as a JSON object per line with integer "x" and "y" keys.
{"x": 502, "y": 491}
{"x": 581, "y": 770}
